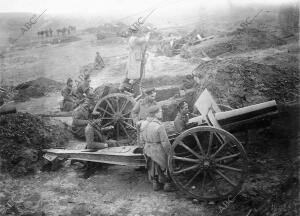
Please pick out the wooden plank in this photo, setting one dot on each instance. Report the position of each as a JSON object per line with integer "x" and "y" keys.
{"x": 115, "y": 155}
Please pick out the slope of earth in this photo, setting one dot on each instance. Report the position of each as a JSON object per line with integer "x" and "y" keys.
{"x": 253, "y": 77}
{"x": 23, "y": 136}
{"x": 238, "y": 41}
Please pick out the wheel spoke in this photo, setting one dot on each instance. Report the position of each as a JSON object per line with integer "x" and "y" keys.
{"x": 110, "y": 105}
{"x": 218, "y": 151}
{"x": 124, "y": 106}
{"x": 124, "y": 129}
{"x": 192, "y": 179}
{"x": 186, "y": 159}
{"x": 226, "y": 178}
{"x": 214, "y": 182}
{"x": 211, "y": 137}
{"x": 187, "y": 169}
{"x": 103, "y": 110}
{"x": 190, "y": 150}
{"x": 227, "y": 157}
{"x": 106, "y": 118}
{"x": 220, "y": 138}
{"x": 203, "y": 181}
{"x": 108, "y": 123}
{"x": 127, "y": 113}
{"x": 229, "y": 167}
{"x": 199, "y": 144}
{"x": 118, "y": 130}
{"x": 117, "y": 101}
{"x": 129, "y": 125}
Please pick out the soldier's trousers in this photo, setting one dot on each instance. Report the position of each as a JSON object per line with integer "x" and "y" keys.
{"x": 92, "y": 134}
{"x": 155, "y": 173}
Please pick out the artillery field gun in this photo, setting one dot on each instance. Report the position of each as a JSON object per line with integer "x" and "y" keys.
{"x": 207, "y": 161}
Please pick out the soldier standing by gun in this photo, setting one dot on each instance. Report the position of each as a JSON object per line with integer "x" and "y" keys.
{"x": 154, "y": 139}
{"x": 135, "y": 70}
{"x": 136, "y": 59}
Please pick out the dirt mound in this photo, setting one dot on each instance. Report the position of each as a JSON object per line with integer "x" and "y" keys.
{"x": 238, "y": 41}
{"x": 22, "y": 138}
{"x": 36, "y": 88}
{"x": 239, "y": 81}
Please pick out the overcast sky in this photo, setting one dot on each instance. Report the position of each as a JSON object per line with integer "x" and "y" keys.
{"x": 117, "y": 7}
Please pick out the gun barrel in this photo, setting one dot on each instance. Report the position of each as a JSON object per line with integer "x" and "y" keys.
{"x": 246, "y": 113}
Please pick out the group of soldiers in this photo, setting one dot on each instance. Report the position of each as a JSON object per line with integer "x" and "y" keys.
{"x": 72, "y": 97}
{"x": 46, "y": 33}
{"x": 152, "y": 136}
{"x": 63, "y": 31}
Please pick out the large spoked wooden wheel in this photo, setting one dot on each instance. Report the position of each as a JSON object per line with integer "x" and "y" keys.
{"x": 115, "y": 111}
{"x": 208, "y": 163}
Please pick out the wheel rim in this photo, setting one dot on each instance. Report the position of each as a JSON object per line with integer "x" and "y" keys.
{"x": 115, "y": 110}
{"x": 208, "y": 163}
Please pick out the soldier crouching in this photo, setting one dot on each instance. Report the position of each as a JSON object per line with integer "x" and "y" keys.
{"x": 83, "y": 127}
{"x": 68, "y": 103}
{"x": 154, "y": 138}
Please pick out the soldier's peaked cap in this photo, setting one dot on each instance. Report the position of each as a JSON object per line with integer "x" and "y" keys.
{"x": 149, "y": 91}
{"x": 133, "y": 28}
{"x": 90, "y": 96}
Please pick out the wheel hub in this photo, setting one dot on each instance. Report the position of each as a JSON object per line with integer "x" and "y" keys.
{"x": 118, "y": 116}
{"x": 207, "y": 163}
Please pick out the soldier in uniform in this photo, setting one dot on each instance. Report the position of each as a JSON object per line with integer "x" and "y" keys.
{"x": 83, "y": 88}
{"x": 182, "y": 117}
{"x": 99, "y": 63}
{"x": 68, "y": 102}
{"x": 139, "y": 111}
{"x": 84, "y": 127}
{"x": 136, "y": 58}
{"x": 154, "y": 139}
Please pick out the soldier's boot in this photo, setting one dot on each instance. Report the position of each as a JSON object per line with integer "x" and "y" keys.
{"x": 156, "y": 185}
{"x": 136, "y": 88}
{"x": 169, "y": 187}
{"x": 89, "y": 136}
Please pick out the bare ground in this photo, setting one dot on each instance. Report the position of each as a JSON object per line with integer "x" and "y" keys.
{"x": 115, "y": 190}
